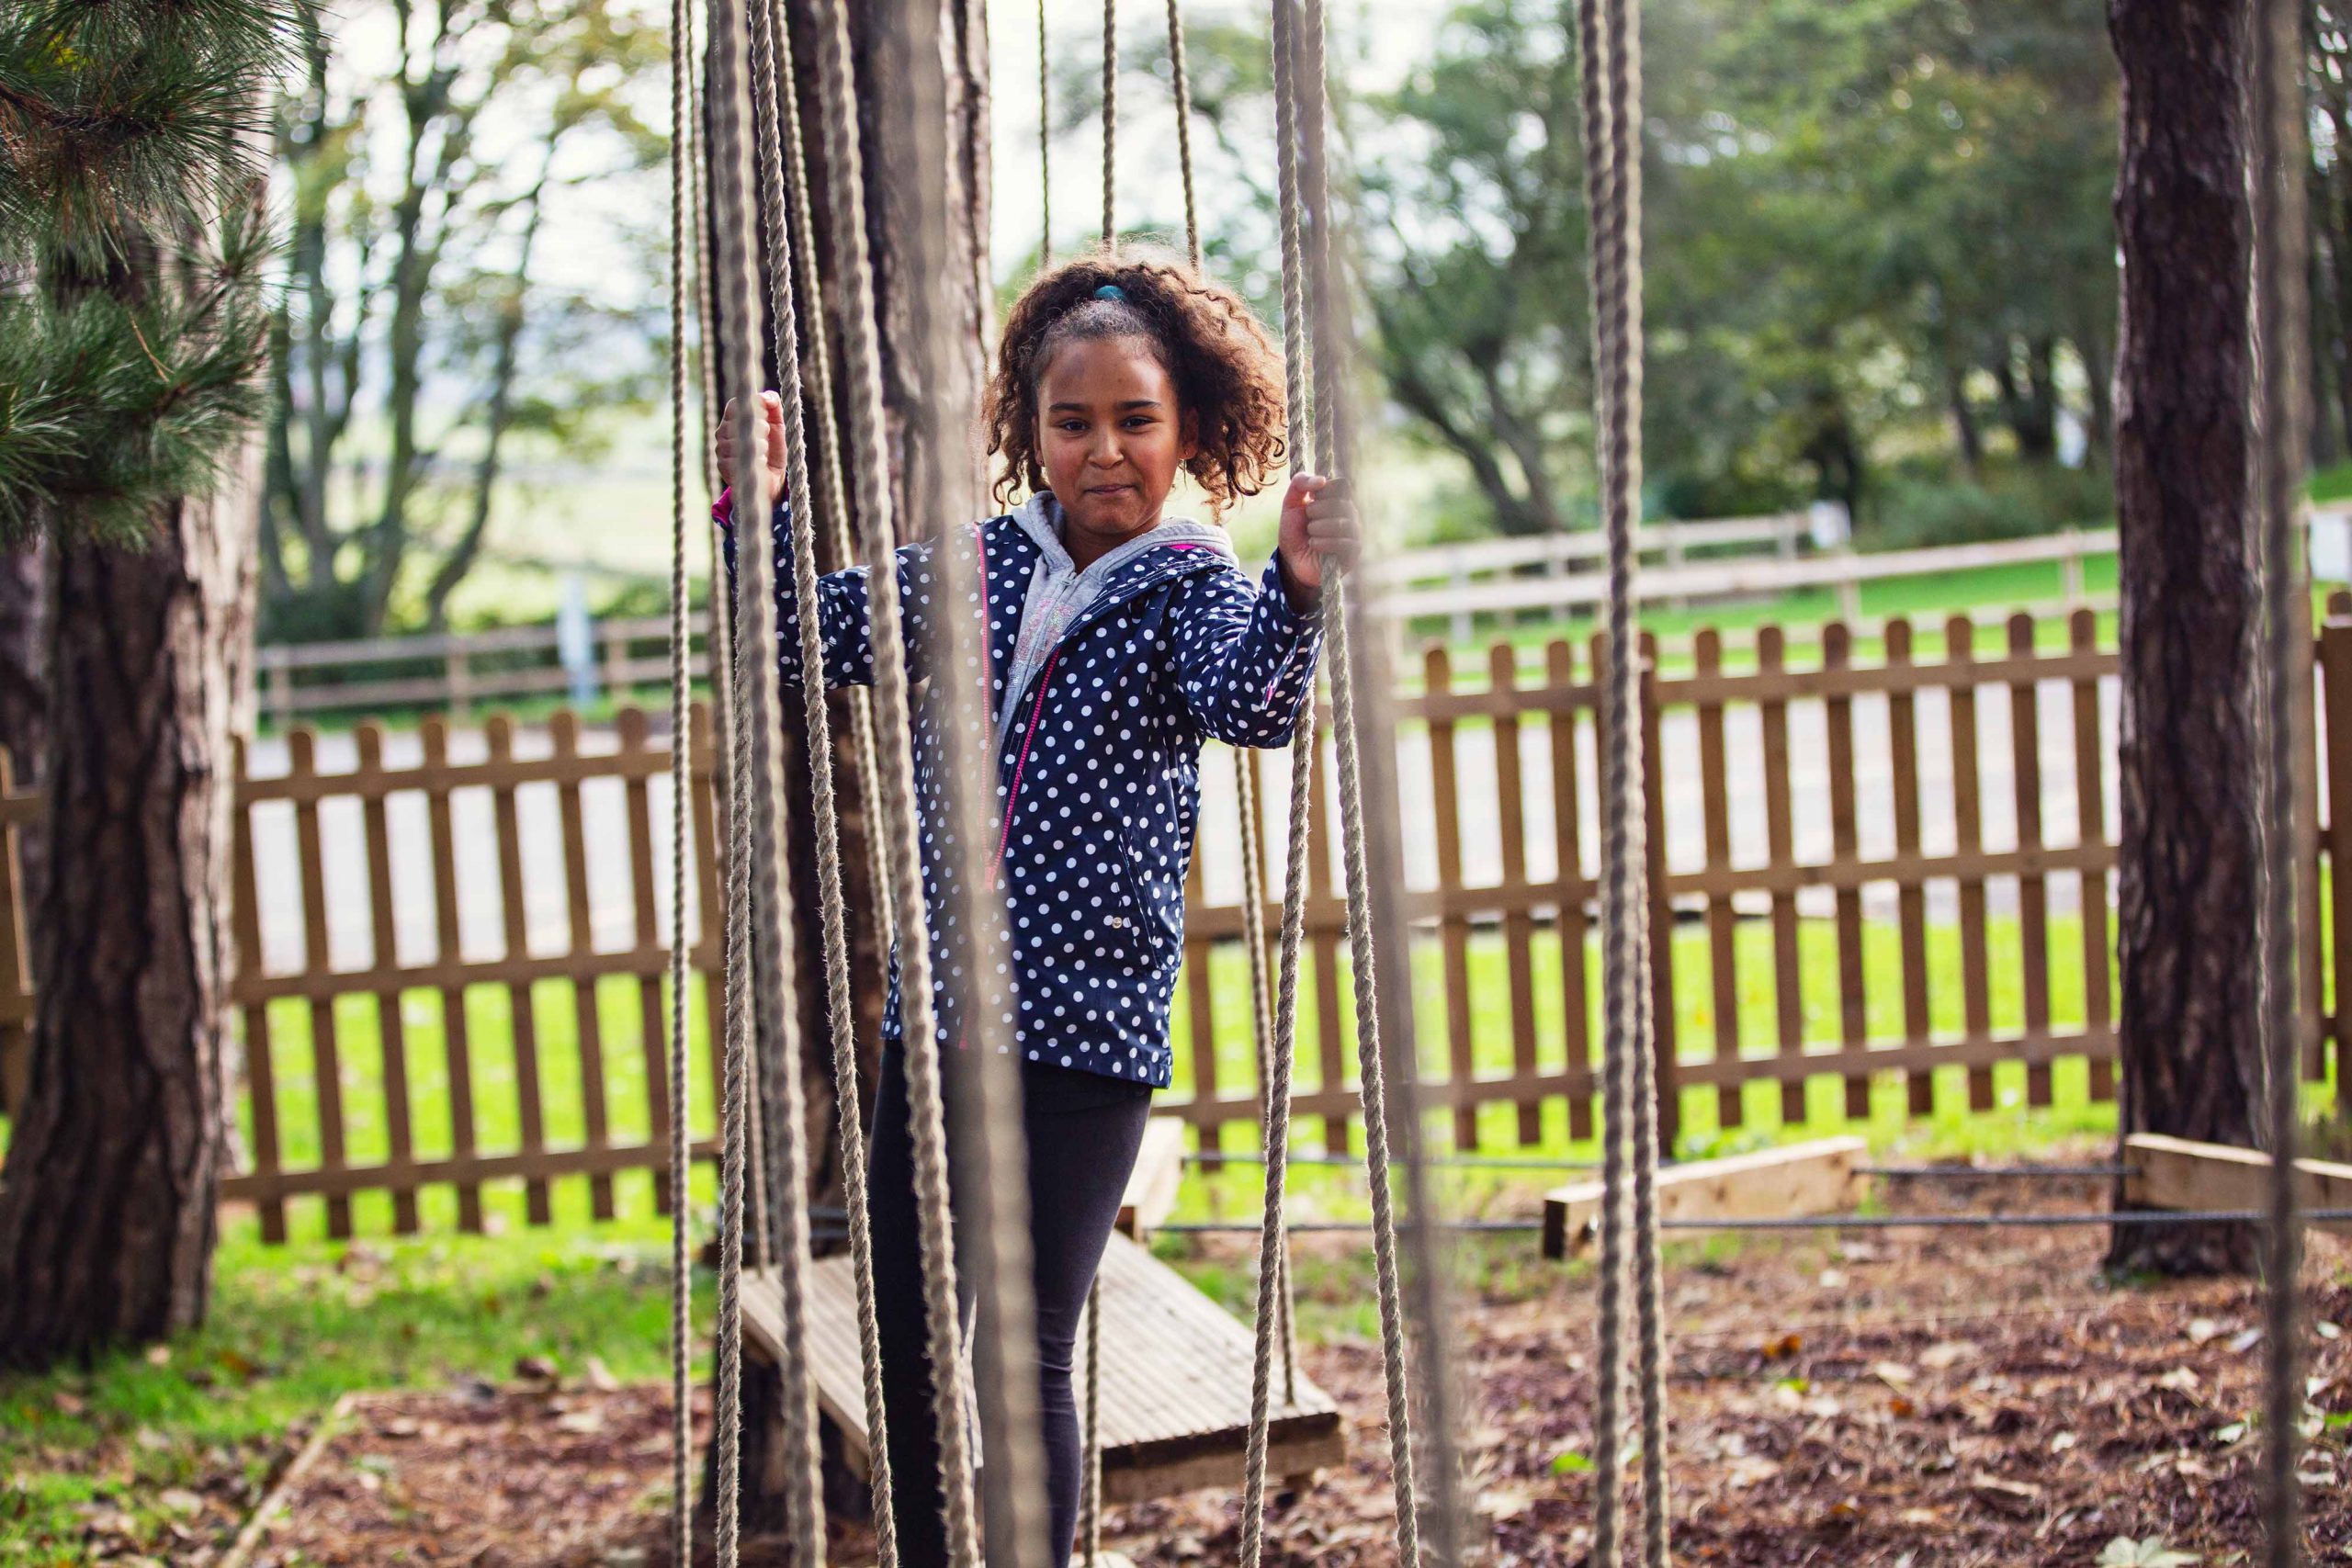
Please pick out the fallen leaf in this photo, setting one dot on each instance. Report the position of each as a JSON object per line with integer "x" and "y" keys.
{"x": 535, "y": 1368}
{"x": 1783, "y": 1347}
{"x": 585, "y": 1423}
{"x": 2180, "y": 1379}
{"x": 179, "y": 1500}
{"x": 1752, "y": 1470}
{"x": 1900, "y": 1406}
{"x": 2242, "y": 1343}
{"x": 2201, "y": 1329}
{"x": 69, "y": 1404}
{"x": 152, "y": 1441}
{"x": 1945, "y": 1355}
{"x": 159, "y": 1355}
{"x": 1893, "y": 1374}
{"x": 598, "y": 1376}
{"x": 2062, "y": 1442}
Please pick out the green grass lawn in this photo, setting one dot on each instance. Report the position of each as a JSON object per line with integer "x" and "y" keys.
{"x": 185, "y": 1435}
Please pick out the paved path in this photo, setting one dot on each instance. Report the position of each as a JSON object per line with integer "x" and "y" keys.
{"x": 546, "y": 901}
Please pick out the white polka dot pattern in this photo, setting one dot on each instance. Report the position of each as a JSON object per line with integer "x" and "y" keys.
{"x": 1098, "y": 777}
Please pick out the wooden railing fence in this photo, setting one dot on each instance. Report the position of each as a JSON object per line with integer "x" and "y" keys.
{"x": 1866, "y": 873}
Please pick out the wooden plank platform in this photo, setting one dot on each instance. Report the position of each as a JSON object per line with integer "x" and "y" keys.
{"x": 1818, "y": 1177}
{"x": 1175, "y": 1379}
{"x": 2179, "y": 1173}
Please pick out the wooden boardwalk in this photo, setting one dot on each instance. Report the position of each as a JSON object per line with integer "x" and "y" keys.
{"x": 1175, "y": 1379}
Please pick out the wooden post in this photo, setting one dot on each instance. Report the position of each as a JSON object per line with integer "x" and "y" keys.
{"x": 16, "y": 1040}
{"x": 1669, "y": 1080}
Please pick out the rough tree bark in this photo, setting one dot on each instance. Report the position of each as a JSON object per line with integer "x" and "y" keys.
{"x": 2183, "y": 431}
{"x": 106, "y": 1218}
{"x": 911, "y": 385}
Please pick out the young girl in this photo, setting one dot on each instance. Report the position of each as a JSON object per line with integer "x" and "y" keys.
{"x": 1119, "y": 639}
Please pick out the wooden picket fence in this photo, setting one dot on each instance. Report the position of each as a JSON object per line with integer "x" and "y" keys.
{"x": 1788, "y": 842}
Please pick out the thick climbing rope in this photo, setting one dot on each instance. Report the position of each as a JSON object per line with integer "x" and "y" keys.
{"x": 1610, "y": 85}
{"x": 899, "y": 828}
{"x": 830, "y": 498}
{"x": 1045, "y": 143}
{"x": 781, "y": 151}
{"x": 1181, "y": 79}
{"x": 758, "y": 783}
{"x": 682, "y": 1438}
{"x": 2281, "y": 313}
{"x": 1279, "y": 1052}
{"x": 1110, "y": 118}
{"x": 1333, "y": 449}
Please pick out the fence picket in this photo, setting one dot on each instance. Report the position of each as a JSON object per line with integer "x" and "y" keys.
{"x": 16, "y": 987}
{"x": 1575, "y": 888}
{"x": 1722, "y": 922}
{"x": 326, "y": 1055}
{"x": 522, "y": 1015}
{"x": 1911, "y": 895}
{"x": 1324, "y": 935}
{"x": 1853, "y": 999}
{"x": 261, "y": 1066}
{"x": 1968, "y": 827}
{"x": 2090, "y": 819}
{"x": 1788, "y": 996}
{"x": 1519, "y": 923}
{"x": 1200, "y": 1006}
{"x": 2033, "y": 890}
{"x": 564, "y": 733}
{"x": 652, "y": 1020}
{"x": 1664, "y": 1026}
{"x": 1454, "y": 926}
{"x": 391, "y": 1027}
{"x": 456, "y": 1034}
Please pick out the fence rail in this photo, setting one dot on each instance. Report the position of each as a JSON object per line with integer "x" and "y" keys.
{"x": 1872, "y": 876}
{"x": 457, "y": 672}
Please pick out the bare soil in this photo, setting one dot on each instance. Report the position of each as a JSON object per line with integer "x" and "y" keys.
{"x": 1904, "y": 1398}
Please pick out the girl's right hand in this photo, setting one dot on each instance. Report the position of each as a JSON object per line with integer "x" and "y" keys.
{"x": 771, "y": 417}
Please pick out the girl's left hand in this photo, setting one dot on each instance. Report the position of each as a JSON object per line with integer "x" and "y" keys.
{"x": 1318, "y": 521}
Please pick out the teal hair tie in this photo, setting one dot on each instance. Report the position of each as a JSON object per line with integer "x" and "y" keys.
{"x": 1111, "y": 291}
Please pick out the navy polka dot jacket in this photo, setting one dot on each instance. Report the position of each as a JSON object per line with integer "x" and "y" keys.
{"x": 1098, "y": 762}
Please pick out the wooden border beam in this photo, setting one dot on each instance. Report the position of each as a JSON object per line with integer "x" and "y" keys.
{"x": 2179, "y": 1173}
{"x": 1819, "y": 1178}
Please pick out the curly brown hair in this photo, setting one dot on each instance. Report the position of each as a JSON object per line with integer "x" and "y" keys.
{"x": 1227, "y": 375}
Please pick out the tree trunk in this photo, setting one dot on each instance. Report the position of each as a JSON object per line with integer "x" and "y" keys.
{"x": 106, "y": 1218}
{"x": 911, "y": 384}
{"x": 2184, "y": 432}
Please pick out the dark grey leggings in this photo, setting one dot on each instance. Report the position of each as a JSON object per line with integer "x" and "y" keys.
{"x": 1083, "y": 1130}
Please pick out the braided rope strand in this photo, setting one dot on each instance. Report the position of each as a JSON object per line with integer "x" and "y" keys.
{"x": 1617, "y": 721}
{"x": 731, "y": 181}
{"x": 1181, "y": 79}
{"x": 1272, "y": 1244}
{"x": 785, "y": 319}
{"x": 1045, "y": 143}
{"x": 682, "y": 1434}
{"x": 1625, "y": 434}
{"x": 2281, "y": 309}
{"x": 862, "y": 356}
{"x": 1110, "y": 120}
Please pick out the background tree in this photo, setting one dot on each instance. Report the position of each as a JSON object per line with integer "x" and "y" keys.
{"x": 132, "y": 242}
{"x": 2191, "y": 1055}
{"x": 416, "y": 341}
